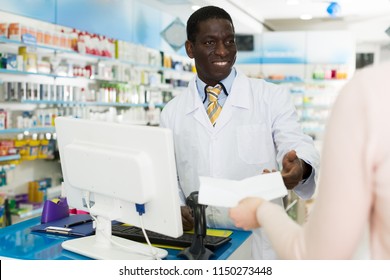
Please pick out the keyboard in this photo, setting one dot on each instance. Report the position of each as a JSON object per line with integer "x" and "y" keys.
{"x": 135, "y": 233}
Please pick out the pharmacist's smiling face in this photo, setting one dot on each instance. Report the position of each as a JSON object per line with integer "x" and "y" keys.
{"x": 214, "y": 50}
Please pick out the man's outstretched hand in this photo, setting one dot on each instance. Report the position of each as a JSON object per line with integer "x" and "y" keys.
{"x": 294, "y": 169}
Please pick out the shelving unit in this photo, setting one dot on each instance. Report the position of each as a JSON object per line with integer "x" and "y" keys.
{"x": 313, "y": 66}
{"x": 90, "y": 103}
{"x": 9, "y": 158}
{"x": 29, "y": 130}
{"x": 314, "y": 100}
{"x": 138, "y": 85}
{"x": 66, "y": 82}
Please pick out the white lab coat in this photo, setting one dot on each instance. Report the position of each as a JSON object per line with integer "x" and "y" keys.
{"x": 258, "y": 125}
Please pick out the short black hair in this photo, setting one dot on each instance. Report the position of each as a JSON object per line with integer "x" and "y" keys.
{"x": 203, "y": 14}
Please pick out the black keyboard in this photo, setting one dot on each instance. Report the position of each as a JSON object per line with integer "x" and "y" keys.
{"x": 134, "y": 233}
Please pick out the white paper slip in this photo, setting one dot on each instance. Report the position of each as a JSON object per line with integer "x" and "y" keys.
{"x": 227, "y": 193}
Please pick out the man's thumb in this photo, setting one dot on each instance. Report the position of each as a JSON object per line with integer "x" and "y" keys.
{"x": 291, "y": 155}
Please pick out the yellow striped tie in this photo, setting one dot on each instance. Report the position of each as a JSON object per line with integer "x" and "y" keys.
{"x": 213, "y": 108}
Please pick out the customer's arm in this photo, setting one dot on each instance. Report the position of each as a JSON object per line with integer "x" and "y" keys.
{"x": 341, "y": 210}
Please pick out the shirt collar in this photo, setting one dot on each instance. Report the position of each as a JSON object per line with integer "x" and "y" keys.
{"x": 227, "y": 82}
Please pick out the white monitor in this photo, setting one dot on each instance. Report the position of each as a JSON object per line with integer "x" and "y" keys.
{"x": 109, "y": 170}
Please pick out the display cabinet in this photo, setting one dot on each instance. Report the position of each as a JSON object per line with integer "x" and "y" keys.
{"x": 40, "y": 81}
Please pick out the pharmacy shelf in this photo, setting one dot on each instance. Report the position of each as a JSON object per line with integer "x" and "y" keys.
{"x": 88, "y": 57}
{"x": 8, "y": 158}
{"x": 294, "y": 80}
{"x": 40, "y": 46}
{"x": 160, "y": 87}
{"x": 48, "y": 129}
{"x": 313, "y": 106}
{"x": 90, "y": 104}
{"x": 16, "y": 72}
{"x": 66, "y": 53}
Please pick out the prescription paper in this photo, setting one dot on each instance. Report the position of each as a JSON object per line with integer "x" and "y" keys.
{"x": 227, "y": 193}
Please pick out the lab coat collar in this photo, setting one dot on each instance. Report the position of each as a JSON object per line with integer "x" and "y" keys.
{"x": 195, "y": 106}
{"x": 239, "y": 96}
{"x": 193, "y": 102}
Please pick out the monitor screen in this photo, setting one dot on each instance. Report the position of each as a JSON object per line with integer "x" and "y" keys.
{"x": 119, "y": 172}
{"x": 245, "y": 42}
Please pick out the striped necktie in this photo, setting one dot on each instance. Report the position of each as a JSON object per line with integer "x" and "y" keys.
{"x": 213, "y": 108}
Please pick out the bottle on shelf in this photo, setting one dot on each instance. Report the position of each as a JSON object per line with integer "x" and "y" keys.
{"x": 318, "y": 73}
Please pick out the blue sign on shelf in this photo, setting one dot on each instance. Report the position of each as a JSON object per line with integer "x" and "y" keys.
{"x": 29, "y": 39}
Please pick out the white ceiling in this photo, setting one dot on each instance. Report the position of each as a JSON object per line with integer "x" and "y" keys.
{"x": 367, "y": 19}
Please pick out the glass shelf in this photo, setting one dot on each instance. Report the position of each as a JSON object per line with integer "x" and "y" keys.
{"x": 313, "y": 119}
{"x": 313, "y": 106}
{"x": 44, "y": 47}
{"x": 7, "y": 158}
{"x": 30, "y": 130}
{"x": 285, "y": 81}
{"x": 16, "y": 72}
{"x": 90, "y": 103}
{"x": 85, "y": 56}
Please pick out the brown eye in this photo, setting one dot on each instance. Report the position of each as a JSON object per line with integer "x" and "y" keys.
{"x": 230, "y": 42}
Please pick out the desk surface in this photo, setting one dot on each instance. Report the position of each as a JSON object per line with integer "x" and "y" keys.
{"x": 17, "y": 241}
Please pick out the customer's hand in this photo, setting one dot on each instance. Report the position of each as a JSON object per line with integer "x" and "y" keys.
{"x": 244, "y": 214}
{"x": 187, "y": 218}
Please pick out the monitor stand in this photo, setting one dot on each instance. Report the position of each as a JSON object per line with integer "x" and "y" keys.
{"x": 100, "y": 247}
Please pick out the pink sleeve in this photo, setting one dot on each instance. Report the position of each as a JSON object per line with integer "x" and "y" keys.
{"x": 341, "y": 209}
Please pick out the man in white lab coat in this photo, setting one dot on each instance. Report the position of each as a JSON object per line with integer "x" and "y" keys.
{"x": 256, "y": 131}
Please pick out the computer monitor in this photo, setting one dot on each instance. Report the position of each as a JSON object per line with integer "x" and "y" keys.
{"x": 116, "y": 171}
